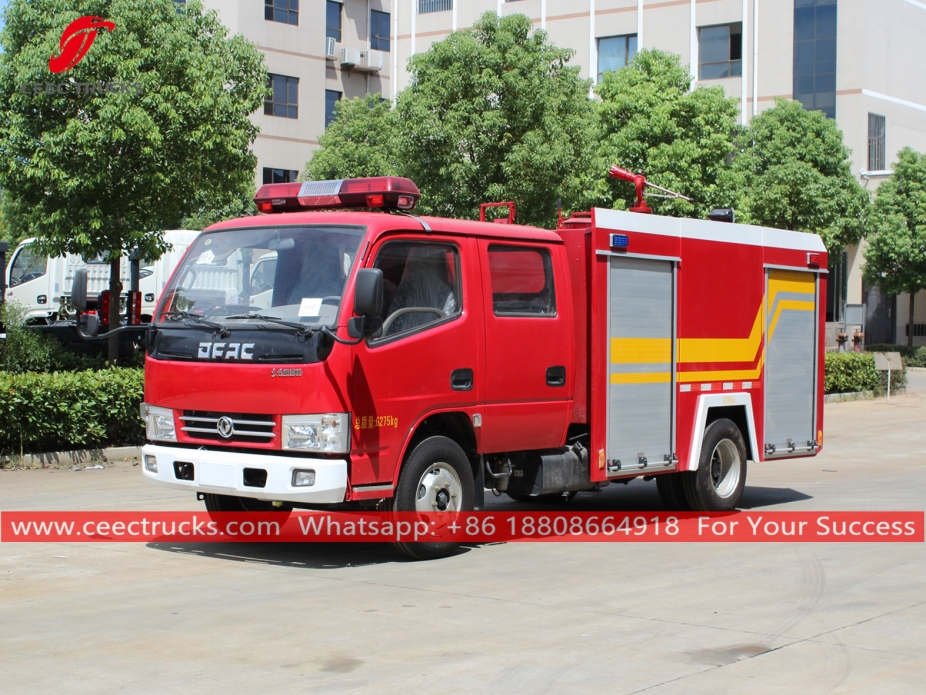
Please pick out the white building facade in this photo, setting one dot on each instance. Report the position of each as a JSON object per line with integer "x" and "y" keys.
{"x": 859, "y": 61}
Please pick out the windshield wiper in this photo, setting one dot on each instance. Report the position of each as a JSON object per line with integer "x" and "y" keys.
{"x": 175, "y": 315}
{"x": 301, "y": 329}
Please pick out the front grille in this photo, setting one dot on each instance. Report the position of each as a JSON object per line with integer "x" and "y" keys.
{"x": 248, "y": 427}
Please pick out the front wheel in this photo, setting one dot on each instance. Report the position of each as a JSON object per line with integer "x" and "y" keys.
{"x": 436, "y": 477}
{"x": 231, "y": 503}
{"x": 718, "y": 483}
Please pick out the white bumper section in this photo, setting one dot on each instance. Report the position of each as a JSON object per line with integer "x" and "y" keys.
{"x": 222, "y": 473}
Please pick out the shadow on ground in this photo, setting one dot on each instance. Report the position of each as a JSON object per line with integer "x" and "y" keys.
{"x": 616, "y": 498}
{"x": 298, "y": 555}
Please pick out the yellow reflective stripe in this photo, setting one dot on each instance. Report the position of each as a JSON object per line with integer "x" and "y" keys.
{"x": 723, "y": 349}
{"x": 790, "y": 281}
{"x": 793, "y": 304}
{"x": 641, "y": 350}
{"x": 734, "y": 375}
{"x": 645, "y": 378}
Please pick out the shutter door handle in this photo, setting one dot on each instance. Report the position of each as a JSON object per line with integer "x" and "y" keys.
{"x": 556, "y": 376}
{"x": 461, "y": 379}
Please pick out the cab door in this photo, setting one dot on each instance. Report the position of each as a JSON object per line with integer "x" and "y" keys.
{"x": 429, "y": 357}
{"x": 529, "y": 352}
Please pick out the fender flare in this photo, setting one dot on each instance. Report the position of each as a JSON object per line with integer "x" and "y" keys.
{"x": 414, "y": 429}
{"x": 720, "y": 400}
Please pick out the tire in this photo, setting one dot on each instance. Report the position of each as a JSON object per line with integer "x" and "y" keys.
{"x": 552, "y": 498}
{"x": 230, "y": 503}
{"x": 436, "y": 466}
{"x": 718, "y": 483}
{"x": 671, "y": 488}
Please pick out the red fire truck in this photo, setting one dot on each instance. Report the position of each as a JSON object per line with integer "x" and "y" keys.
{"x": 338, "y": 351}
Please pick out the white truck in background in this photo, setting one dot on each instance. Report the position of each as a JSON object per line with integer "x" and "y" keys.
{"x": 43, "y": 285}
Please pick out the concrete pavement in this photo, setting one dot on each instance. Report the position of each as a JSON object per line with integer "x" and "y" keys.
{"x": 532, "y": 618}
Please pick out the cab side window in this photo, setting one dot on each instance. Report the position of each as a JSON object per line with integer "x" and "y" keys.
{"x": 421, "y": 285}
{"x": 28, "y": 265}
{"x": 522, "y": 281}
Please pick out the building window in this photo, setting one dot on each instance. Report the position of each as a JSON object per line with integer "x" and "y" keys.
{"x": 379, "y": 30}
{"x": 876, "y": 143}
{"x": 720, "y": 51}
{"x": 427, "y": 6}
{"x": 280, "y": 175}
{"x": 333, "y": 20}
{"x": 285, "y": 11}
{"x": 614, "y": 52}
{"x": 815, "y": 55}
{"x": 331, "y": 99}
{"x": 284, "y": 99}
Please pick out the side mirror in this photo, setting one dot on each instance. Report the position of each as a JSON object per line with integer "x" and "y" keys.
{"x": 89, "y": 324}
{"x": 79, "y": 290}
{"x": 368, "y": 292}
{"x": 368, "y": 304}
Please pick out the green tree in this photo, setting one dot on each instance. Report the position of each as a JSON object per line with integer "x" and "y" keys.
{"x": 650, "y": 120}
{"x": 100, "y": 171}
{"x": 362, "y": 141}
{"x": 792, "y": 171}
{"x": 896, "y": 255}
{"x": 492, "y": 113}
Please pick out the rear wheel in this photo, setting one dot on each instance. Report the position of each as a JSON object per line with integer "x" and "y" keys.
{"x": 718, "y": 483}
{"x": 671, "y": 488}
{"x": 436, "y": 477}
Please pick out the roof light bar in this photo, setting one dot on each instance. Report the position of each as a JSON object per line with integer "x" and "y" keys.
{"x": 379, "y": 192}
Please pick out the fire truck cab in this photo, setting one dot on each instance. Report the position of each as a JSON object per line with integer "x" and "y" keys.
{"x": 411, "y": 363}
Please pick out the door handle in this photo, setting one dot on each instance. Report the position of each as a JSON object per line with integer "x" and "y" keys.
{"x": 461, "y": 379}
{"x": 556, "y": 376}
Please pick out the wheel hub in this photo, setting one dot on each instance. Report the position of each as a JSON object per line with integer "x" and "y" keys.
{"x": 725, "y": 468}
{"x": 439, "y": 490}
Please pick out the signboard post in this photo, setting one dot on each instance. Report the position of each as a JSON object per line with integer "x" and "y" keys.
{"x": 886, "y": 362}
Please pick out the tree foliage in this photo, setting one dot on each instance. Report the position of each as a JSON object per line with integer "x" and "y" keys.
{"x": 650, "y": 120}
{"x": 492, "y": 113}
{"x": 896, "y": 255}
{"x": 792, "y": 171}
{"x": 101, "y": 172}
{"x": 360, "y": 142}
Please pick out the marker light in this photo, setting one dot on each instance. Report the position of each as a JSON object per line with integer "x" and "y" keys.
{"x": 381, "y": 192}
{"x": 619, "y": 241}
{"x": 814, "y": 259}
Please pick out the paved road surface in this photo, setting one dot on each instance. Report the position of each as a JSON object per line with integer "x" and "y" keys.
{"x": 544, "y": 618}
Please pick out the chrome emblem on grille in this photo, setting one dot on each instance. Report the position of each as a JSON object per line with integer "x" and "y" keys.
{"x": 225, "y": 426}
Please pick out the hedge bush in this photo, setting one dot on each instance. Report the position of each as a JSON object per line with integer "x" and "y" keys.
{"x": 28, "y": 350}
{"x": 848, "y": 372}
{"x": 70, "y": 410}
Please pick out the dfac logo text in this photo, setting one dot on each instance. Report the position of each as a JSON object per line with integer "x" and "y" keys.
{"x": 76, "y": 40}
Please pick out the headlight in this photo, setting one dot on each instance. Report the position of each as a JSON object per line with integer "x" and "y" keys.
{"x": 329, "y": 433}
{"x": 159, "y": 423}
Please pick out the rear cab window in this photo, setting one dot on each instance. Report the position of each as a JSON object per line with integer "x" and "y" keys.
{"x": 522, "y": 281}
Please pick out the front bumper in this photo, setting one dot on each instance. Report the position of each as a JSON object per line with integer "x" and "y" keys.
{"x": 222, "y": 473}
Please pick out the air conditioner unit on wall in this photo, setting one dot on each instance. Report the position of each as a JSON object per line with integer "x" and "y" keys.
{"x": 330, "y": 48}
{"x": 350, "y": 57}
{"x": 370, "y": 61}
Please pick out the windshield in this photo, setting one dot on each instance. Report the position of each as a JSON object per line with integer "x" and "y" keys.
{"x": 293, "y": 274}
